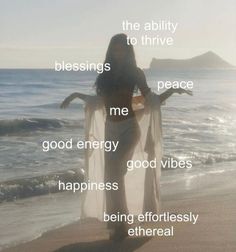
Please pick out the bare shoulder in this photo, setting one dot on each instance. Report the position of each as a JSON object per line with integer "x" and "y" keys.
{"x": 140, "y": 74}
{"x": 140, "y": 71}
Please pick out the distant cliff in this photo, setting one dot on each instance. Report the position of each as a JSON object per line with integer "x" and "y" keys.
{"x": 206, "y": 60}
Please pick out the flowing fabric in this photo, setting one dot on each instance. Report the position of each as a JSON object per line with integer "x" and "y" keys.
{"x": 141, "y": 185}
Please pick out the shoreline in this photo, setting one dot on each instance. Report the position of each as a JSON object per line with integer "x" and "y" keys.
{"x": 213, "y": 197}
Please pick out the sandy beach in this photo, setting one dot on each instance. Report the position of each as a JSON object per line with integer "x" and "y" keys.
{"x": 212, "y": 196}
{"x": 118, "y": 126}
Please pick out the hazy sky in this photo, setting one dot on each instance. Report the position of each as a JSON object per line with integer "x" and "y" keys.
{"x": 36, "y": 33}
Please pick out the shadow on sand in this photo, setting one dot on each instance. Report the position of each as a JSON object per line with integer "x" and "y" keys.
{"x": 127, "y": 245}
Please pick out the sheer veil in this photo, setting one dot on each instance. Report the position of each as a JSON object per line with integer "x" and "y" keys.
{"x": 142, "y": 185}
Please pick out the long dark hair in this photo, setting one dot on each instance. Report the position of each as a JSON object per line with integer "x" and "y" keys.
{"x": 107, "y": 82}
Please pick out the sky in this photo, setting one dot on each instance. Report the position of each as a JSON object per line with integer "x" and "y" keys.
{"x": 35, "y": 34}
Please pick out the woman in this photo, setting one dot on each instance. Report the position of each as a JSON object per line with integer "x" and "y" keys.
{"x": 115, "y": 90}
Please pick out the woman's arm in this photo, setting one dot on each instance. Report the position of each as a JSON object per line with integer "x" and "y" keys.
{"x": 142, "y": 83}
{"x": 71, "y": 97}
{"x": 148, "y": 94}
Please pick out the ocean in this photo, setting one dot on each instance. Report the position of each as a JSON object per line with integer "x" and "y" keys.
{"x": 200, "y": 128}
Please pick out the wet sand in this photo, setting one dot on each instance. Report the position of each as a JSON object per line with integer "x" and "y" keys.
{"x": 213, "y": 197}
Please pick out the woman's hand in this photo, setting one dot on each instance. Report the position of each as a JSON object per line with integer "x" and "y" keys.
{"x": 92, "y": 100}
{"x": 67, "y": 101}
{"x": 164, "y": 96}
{"x": 182, "y": 91}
